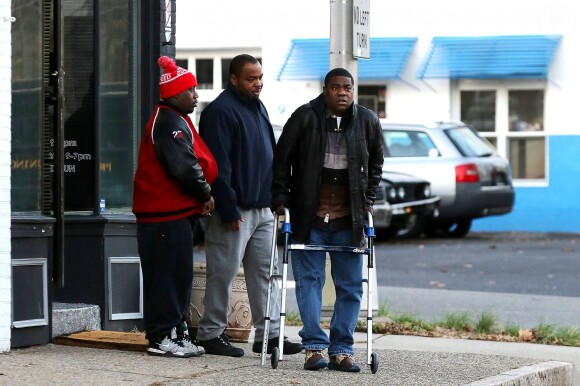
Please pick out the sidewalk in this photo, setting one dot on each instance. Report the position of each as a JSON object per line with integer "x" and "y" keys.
{"x": 403, "y": 360}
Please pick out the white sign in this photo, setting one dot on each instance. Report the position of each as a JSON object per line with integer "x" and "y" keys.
{"x": 361, "y": 32}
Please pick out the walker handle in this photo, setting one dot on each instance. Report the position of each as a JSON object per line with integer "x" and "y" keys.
{"x": 370, "y": 229}
{"x": 370, "y": 219}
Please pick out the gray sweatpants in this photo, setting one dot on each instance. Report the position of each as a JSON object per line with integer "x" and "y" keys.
{"x": 225, "y": 251}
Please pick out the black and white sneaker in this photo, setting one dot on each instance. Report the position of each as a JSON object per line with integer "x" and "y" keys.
{"x": 187, "y": 342}
{"x": 168, "y": 347}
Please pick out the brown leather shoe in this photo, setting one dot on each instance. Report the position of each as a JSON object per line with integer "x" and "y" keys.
{"x": 314, "y": 360}
{"x": 343, "y": 362}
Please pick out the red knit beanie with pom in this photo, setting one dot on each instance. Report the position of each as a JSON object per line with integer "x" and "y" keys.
{"x": 173, "y": 79}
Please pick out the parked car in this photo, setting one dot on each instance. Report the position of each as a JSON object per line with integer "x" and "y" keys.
{"x": 464, "y": 169}
{"x": 403, "y": 205}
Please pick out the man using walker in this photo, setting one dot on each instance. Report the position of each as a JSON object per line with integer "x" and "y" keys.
{"x": 327, "y": 165}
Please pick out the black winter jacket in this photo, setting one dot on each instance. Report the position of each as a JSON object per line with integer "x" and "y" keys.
{"x": 299, "y": 157}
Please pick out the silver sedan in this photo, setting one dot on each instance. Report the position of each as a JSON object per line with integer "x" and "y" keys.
{"x": 465, "y": 171}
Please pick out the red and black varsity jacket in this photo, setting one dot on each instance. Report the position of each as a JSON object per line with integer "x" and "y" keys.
{"x": 174, "y": 171}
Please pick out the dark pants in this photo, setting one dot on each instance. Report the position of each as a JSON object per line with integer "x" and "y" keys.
{"x": 166, "y": 252}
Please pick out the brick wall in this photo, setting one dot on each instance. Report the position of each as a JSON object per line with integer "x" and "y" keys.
{"x": 5, "y": 98}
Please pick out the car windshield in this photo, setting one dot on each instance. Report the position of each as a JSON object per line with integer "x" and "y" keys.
{"x": 408, "y": 143}
{"x": 470, "y": 143}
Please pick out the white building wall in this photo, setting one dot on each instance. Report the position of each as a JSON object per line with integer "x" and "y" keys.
{"x": 270, "y": 25}
{"x": 5, "y": 100}
{"x": 425, "y": 19}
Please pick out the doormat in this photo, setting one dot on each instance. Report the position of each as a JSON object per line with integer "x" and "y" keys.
{"x": 111, "y": 340}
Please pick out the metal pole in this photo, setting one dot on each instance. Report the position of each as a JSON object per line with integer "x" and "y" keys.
{"x": 341, "y": 54}
{"x": 59, "y": 189}
{"x": 168, "y": 16}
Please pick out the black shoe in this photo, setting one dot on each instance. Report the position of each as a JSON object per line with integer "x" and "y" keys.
{"x": 221, "y": 346}
{"x": 289, "y": 347}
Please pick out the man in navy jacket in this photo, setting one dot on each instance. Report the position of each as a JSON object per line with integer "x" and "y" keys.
{"x": 237, "y": 130}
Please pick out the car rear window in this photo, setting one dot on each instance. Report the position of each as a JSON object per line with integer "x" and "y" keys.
{"x": 406, "y": 143}
{"x": 469, "y": 142}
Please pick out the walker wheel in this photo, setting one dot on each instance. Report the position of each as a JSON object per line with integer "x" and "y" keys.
{"x": 374, "y": 363}
{"x": 275, "y": 357}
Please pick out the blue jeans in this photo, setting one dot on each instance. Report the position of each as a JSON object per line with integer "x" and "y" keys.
{"x": 309, "y": 273}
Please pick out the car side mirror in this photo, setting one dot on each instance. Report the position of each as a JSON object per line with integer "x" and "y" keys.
{"x": 433, "y": 152}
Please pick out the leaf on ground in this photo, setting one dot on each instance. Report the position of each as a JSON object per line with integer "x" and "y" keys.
{"x": 525, "y": 335}
{"x": 436, "y": 284}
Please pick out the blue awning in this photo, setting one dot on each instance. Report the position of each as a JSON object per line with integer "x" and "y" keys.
{"x": 487, "y": 57}
{"x": 309, "y": 59}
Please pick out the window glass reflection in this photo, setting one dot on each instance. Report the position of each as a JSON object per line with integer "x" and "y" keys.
{"x": 225, "y": 71}
{"x": 26, "y": 105}
{"x": 204, "y": 73}
{"x": 526, "y": 110}
{"x": 527, "y": 157}
{"x": 478, "y": 110}
{"x": 116, "y": 115}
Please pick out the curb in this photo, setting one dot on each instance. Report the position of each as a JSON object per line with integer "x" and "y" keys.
{"x": 551, "y": 373}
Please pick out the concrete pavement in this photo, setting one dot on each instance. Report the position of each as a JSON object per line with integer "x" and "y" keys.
{"x": 403, "y": 360}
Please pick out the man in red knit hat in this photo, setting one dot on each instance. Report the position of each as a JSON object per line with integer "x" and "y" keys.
{"x": 171, "y": 190}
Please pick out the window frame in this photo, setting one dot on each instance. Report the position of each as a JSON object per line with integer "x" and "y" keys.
{"x": 502, "y": 134}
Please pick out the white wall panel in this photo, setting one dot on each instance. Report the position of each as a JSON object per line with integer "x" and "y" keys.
{"x": 5, "y": 100}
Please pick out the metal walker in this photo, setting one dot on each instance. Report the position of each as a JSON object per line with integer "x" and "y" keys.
{"x": 278, "y": 352}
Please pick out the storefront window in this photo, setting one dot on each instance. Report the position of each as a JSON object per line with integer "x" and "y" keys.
{"x": 26, "y": 105}
{"x": 117, "y": 115}
{"x": 79, "y": 105}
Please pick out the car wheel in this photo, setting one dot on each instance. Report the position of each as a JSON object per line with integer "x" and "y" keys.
{"x": 414, "y": 228}
{"x": 460, "y": 229}
{"x": 455, "y": 229}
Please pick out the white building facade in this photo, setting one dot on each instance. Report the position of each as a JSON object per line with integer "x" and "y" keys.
{"x": 509, "y": 69}
{"x": 5, "y": 244}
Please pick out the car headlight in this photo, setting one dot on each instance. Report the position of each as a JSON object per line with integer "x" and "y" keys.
{"x": 392, "y": 193}
{"x": 401, "y": 193}
{"x": 381, "y": 193}
{"x": 427, "y": 190}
